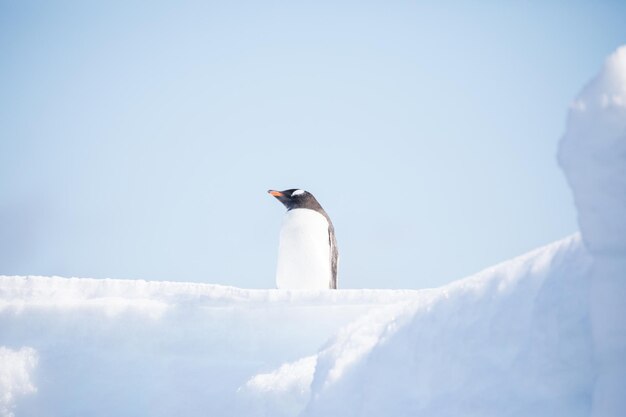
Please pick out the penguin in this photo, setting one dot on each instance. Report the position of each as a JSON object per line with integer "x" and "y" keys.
{"x": 307, "y": 249}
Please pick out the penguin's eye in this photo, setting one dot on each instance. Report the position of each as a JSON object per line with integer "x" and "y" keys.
{"x": 297, "y": 192}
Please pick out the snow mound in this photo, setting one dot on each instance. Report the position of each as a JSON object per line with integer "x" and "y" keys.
{"x": 126, "y": 347}
{"x": 16, "y": 367}
{"x": 592, "y": 154}
{"x": 513, "y": 340}
{"x": 282, "y": 392}
{"x": 517, "y": 333}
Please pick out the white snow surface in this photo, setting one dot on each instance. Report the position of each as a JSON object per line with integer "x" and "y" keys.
{"x": 540, "y": 335}
{"x": 512, "y": 340}
{"x": 130, "y": 347}
{"x": 592, "y": 154}
{"x": 15, "y": 376}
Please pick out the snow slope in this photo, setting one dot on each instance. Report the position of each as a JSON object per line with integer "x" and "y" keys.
{"x": 115, "y": 347}
{"x": 513, "y": 340}
{"x": 122, "y": 347}
{"x": 543, "y": 334}
{"x": 592, "y": 154}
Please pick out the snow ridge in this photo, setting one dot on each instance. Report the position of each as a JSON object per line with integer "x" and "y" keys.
{"x": 592, "y": 154}
{"x": 312, "y": 353}
{"x": 485, "y": 341}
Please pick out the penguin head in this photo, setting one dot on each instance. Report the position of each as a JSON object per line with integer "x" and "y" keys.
{"x": 296, "y": 198}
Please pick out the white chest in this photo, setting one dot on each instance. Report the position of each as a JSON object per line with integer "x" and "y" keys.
{"x": 303, "y": 251}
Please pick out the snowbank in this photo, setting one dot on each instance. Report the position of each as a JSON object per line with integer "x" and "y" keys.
{"x": 122, "y": 347}
{"x": 513, "y": 340}
{"x": 517, "y": 332}
{"x": 592, "y": 154}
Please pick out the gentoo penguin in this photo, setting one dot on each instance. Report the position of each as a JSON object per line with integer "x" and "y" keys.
{"x": 307, "y": 251}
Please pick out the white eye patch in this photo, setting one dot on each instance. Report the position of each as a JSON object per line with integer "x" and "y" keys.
{"x": 297, "y": 192}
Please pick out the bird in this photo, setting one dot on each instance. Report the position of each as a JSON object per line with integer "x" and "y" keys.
{"x": 307, "y": 249}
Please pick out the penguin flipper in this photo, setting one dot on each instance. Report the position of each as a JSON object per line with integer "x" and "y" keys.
{"x": 334, "y": 257}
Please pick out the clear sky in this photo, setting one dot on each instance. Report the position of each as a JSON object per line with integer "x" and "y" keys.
{"x": 138, "y": 139}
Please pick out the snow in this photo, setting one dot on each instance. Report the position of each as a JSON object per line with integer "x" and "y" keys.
{"x": 127, "y": 347}
{"x": 542, "y": 334}
{"x": 283, "y": 391}
{"x": 513, "y": 340}
{"x": 592, "y": 154}
{"x": 517, "y": 331}
{"x": 15, "y": 376}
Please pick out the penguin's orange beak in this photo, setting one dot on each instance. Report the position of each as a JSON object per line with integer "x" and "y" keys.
{"x": 275, "y": 193}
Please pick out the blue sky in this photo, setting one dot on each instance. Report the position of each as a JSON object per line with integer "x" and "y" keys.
{"x": 138, "y": 140}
